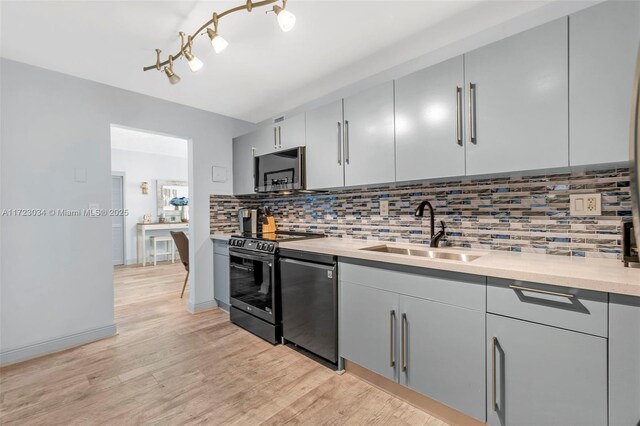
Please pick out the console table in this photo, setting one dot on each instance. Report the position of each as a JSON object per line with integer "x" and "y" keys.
{"x": 142, "y": 237}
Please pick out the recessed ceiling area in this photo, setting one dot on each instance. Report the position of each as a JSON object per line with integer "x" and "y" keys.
{"x": 263, "y": 69}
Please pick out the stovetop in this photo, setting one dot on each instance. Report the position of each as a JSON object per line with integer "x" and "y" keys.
{"x": 268, "y": 242}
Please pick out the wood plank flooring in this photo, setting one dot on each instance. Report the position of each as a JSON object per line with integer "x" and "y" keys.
{"x": 169, "y": 367}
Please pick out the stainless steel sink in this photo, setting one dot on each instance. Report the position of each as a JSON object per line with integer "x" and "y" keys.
{"x": 432, "y": 254}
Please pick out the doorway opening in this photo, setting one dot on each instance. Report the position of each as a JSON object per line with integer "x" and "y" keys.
{"x": 150, "y": 188}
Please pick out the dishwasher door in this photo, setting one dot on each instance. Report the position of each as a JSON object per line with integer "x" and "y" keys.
{"x": 309, "y": 293}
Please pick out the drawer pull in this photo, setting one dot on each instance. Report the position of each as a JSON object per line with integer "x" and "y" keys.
{"x": 494, "y": 405}
{"x": 535, "y": 290}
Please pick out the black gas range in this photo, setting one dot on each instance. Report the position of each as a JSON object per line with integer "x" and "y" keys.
{"x": 254, "y": 281}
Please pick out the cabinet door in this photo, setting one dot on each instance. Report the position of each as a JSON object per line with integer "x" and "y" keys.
{"x": 369, "y": 140}
{"x": 624, "y": 360}
{"x": 324, "y": 147}
{"x": 291, "y": 132}
{"x": 368, "y": 323}
{"x": 221, "y": 278}
{"x": 520, "y": 99}
{"x": 445, "y": 354}
{"x": 243, "y": 152}
{"x": 602, "y": 56}
{"x": 544, "y": 375}
{"x": 429, "y": 122}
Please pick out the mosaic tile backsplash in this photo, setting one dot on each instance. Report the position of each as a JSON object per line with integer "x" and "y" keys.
{"x": 520, "y": 214}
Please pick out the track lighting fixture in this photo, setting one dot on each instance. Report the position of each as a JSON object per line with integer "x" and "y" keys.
{"x": 218, "y": 43}
{"x": 286, "y": 20}
{"x": 195, "y": 64}
{"x": 168, "y": 70}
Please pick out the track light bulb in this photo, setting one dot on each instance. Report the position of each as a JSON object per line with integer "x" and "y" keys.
{"x": 286, "y": 19}
{"x": 194, "y": 63}
{"x": 218, "y": 43}
{"x": 173, "y": 77}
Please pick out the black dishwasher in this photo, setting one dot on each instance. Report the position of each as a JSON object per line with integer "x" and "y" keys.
{"x": 309, "y": 294}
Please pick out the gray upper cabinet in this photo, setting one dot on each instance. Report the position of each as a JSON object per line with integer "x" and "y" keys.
{"x": 624, "y": 353}
{"x": 369, "y": 150}
{"x": 289, "y": 133}
{"x": 429, "y": 118}
{"x": 518, "y": 90}
{"x": 325, "y": 165}
{"x": 543, "y": 375}
{"x": 444, "y": 348}
{"x": 243, "y": 151}
{"x": 603, "y": 46}
{"x": 368, "y": 318}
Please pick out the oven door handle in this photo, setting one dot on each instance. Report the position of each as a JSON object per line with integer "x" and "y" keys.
{"x": 246, "y": 255}
{"x": 242, "y": 268}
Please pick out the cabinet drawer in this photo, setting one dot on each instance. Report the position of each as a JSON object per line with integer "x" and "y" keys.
{"x": 464, "y": 290}
{"x": 573, "y": 309}
{"x": 221, "y": 247}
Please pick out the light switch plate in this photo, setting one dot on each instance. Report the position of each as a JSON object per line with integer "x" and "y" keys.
{"x": 218, "y": 174}
{"x": 586, "y": 204}
{"x": 384, "y": 207}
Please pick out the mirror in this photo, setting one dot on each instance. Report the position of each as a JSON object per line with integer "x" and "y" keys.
{"x": 168, "y": 189}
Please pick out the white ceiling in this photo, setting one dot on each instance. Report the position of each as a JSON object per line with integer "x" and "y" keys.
{"x": 263, "y": 69}
{"x": 150, "y": 143}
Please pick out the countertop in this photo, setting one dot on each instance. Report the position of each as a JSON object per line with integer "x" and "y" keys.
{"x": 220, "y": 236}
{"x": 604, "y": 275}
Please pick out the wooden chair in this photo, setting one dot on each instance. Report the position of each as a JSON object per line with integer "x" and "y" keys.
{"x": 182, "y": 243}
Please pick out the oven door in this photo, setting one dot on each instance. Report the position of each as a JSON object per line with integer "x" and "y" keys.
{"x": 252, "y": 279}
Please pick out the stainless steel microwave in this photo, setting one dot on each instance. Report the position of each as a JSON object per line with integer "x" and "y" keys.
{"x": 280, "y": 171}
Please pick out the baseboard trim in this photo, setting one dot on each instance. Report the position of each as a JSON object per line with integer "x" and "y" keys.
{"x": 202, "y": 306}
{"x": 432, "y": 407}
{"x": 47, "y": 347}
{"x": 224, "y": 306}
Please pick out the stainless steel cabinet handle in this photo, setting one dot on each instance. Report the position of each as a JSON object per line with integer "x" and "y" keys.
{"x": 279, "y": 137}
{"x": 275, "y": 138}
{"x": 392, "y": 338}
{"x": 459, "y": 115}
{"x": 472, "y": 114}
{"x": 346, "y": 142}
{"x": 535, "y": 290}
{"x": 339, "y": 143}
{"x": 494, "y": 405}
{"x": 253, "y": 162}
{"x": 404, "y": 342}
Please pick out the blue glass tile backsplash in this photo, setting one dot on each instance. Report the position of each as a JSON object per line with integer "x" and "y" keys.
{"x": 520, "y": 214}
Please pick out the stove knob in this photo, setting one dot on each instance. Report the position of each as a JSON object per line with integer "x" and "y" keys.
{"x": 260, "y": 246}
{"x": 271, "y": 246}
{"x": 232, "y": 242}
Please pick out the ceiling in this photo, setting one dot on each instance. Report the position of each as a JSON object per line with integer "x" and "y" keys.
{"x": 261, "y": 71}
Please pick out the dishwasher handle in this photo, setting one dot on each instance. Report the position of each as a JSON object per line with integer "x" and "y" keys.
{"x": 307, "y": 264}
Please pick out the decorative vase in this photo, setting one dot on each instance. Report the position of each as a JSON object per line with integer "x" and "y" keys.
{"x": 184, "y": 214}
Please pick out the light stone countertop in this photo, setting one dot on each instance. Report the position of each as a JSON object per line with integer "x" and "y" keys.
{"x": 585, "y": 273}
{"x": 220, "y": 236}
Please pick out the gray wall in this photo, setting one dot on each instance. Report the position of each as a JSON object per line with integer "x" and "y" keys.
{"x": 56, "y": 272}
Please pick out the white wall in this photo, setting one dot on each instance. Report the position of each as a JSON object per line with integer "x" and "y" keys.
{"x": 147, "y": 167}
{"x": 56, "y": 272}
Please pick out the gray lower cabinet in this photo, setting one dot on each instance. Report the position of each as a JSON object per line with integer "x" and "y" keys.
{"x": 369, "y": 145}
{"x": 368, "y": 323}
{"x": 542, "y": 375}
{"x": 429, "y": 109}
{"x": 443, "y": 357}
{"x": 603, "y": 45}
{"x": 221, "y": 273}
{"x": 518, "y": 89}
{"x": 325, "y": 157}
{"x": 624, "y": 360}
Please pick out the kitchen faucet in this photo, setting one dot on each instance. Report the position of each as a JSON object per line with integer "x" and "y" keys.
{"x": 435, "y": 238}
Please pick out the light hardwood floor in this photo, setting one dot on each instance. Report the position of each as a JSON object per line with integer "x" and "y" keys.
{"x": 169, "y": 367}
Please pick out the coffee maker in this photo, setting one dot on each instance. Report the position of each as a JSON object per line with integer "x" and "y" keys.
{"x": 248, "y": 220}
{"x": 629, "y": 244}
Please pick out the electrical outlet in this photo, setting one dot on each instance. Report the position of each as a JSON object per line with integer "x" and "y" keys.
{"x": 384, "y": 207}
{"x": 586, "y": 204}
